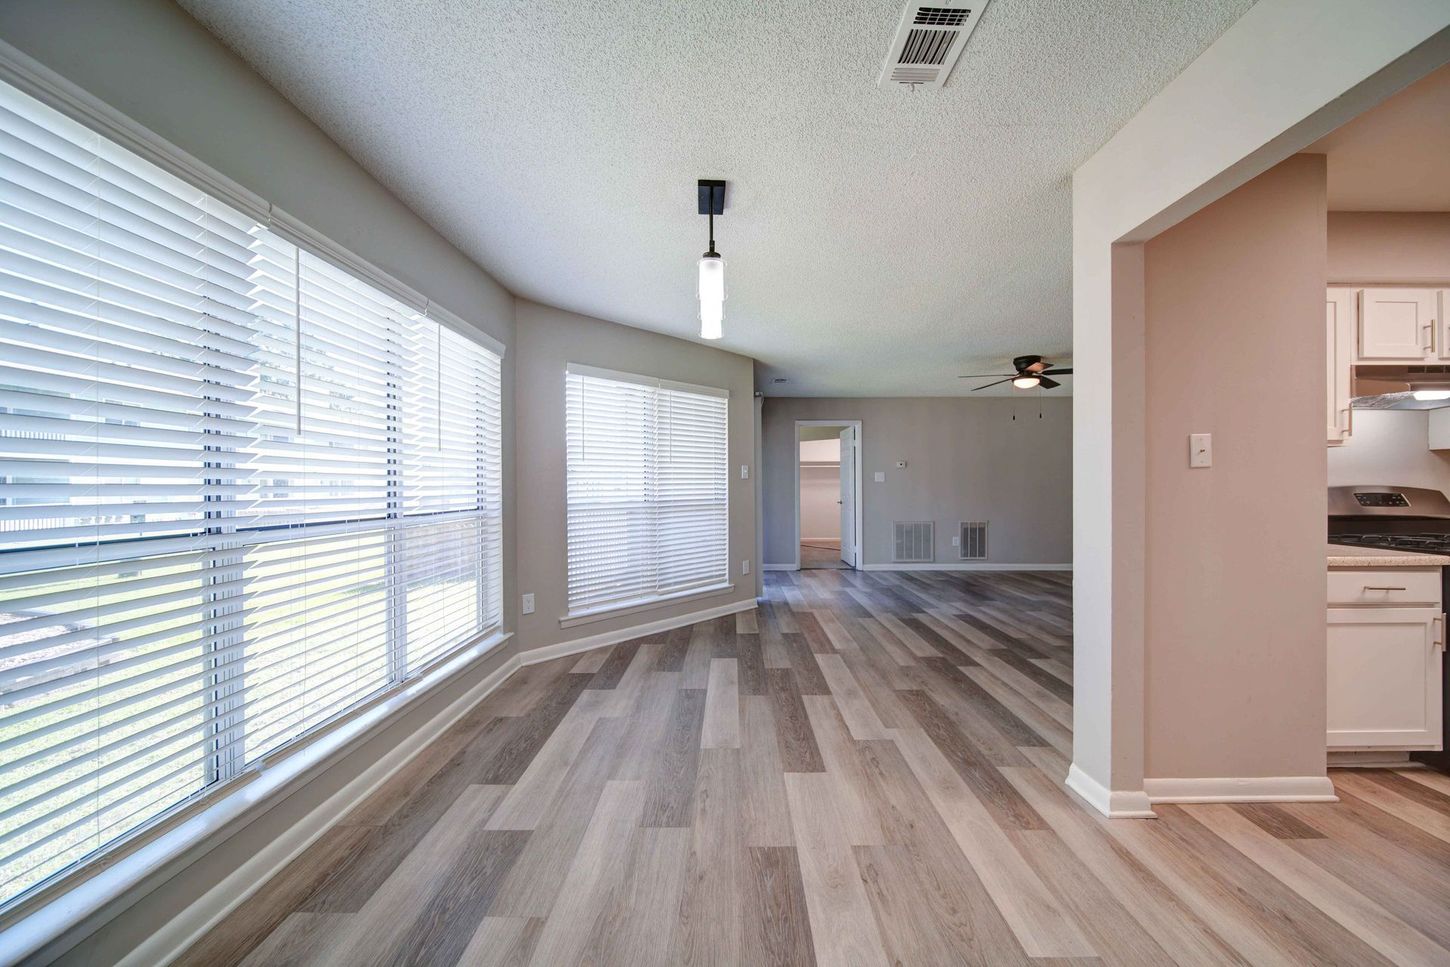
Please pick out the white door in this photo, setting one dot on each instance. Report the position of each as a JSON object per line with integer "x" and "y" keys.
{"x": 1339, "y": 338}
{"x": 1397, "y": 324}
{"x": 1384, "y": 678}
{"x": 848, "y": 495}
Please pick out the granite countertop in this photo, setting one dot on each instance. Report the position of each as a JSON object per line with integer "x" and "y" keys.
{"x": 1341, "y": 555}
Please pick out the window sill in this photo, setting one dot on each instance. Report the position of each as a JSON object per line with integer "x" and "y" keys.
{"x": 633, "y": 607}
{"x": 101, "y": 886}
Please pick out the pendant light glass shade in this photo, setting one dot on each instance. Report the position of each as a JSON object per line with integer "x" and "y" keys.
{"x": 712, "y": 296}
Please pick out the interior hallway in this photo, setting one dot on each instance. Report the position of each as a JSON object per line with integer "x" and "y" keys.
{"x": 866, "y": 769}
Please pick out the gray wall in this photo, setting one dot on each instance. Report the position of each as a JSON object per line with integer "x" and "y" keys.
{"x": 548, "y": 340}
{"x": 967, "y": 459}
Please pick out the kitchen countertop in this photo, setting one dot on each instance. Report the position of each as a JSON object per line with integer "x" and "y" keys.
{"x": 1341, "y": 555}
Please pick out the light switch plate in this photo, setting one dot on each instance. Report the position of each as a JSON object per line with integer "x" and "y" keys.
{"x": 1200, "y": 449}
{"x": 528, "y": 607}
{"x": 745, "y": 471}
{"x": 745, "y": 566}
{"x": 879, "y": 476}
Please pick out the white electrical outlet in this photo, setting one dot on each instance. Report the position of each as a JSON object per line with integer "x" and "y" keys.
{"x": 956, "y": 540}
{"x": 528, "y": 607}
{"x": 745, "y": 566}
{"x": 879, "y": 476}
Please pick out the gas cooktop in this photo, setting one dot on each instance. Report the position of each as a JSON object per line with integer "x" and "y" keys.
{"x": 1390, "y": 518}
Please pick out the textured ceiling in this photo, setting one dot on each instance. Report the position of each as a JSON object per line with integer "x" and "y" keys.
{"x": 1394, "y": 157}
{"x": 877, "y": 242}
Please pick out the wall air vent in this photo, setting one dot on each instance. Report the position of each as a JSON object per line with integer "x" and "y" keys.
{"x": 914, "y": 541}
{"x": 973, "y": 540}
{"x": 928, "y": 42}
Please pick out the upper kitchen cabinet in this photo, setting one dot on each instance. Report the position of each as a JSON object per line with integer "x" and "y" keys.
{"x": 1400, "y": 326}
{"x": 1339, "y": 319}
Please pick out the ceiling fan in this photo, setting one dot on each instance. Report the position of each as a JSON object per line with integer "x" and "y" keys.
{"x": 1031, "y": 372}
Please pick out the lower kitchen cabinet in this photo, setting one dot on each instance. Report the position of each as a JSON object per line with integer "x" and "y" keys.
{"x": 1384, "y": 678}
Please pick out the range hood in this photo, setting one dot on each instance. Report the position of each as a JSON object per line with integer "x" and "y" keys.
{"x": 1400, "y": 387}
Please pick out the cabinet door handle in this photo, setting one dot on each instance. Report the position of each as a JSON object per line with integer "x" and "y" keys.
{"x": 1429, "y": 328}
{"x": 1440, "y": 631}
{"x": 1371, "y": 587}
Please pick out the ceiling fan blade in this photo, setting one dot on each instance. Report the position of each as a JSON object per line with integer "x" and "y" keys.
{"x": 987, "y": 375}
{"x": 1056, "y": 372}
{"x": 990, "y": 385}
{"x": 1044, "y": 383}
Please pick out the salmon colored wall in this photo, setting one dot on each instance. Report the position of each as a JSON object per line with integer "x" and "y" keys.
{"x": 1389, "y": 247}
{"x": 1234, "y": 633}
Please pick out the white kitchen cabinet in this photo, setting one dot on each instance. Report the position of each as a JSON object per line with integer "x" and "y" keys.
{"x": 1339, "y": 326}
{"x": 1399, "y": 325}
{"x": 1384, "y": 677}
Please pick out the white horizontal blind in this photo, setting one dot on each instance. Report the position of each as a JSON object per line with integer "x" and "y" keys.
{"x": 450, "y": 542}
{"x": 648, "y": 487}
{"x": 240, "y": 492}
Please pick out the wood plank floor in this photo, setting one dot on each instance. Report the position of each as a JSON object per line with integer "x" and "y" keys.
{"x": 865, "y": 770}
{"x": 822, "y": 553}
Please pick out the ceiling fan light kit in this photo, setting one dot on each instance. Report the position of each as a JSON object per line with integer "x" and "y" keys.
{"x": 711, "y": 201}
{"x": 1031, "y": 372}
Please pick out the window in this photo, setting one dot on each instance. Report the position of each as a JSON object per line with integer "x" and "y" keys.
{"x": 648, "y": 484}
{"x": 241, "y": 491}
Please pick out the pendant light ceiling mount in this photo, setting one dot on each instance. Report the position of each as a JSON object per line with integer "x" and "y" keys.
{"x": 710, "y": 196}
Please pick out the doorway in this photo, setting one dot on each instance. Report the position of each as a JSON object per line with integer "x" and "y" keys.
{"x": 828, "y": 494}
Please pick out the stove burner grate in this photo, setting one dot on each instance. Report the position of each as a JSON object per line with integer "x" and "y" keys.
{"x": 1433, "y": 543}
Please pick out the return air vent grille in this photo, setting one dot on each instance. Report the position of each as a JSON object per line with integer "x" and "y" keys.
{"x": 973, "y": 540}
{"x": 915, "y": 540}
{"x": 928, "y": 41}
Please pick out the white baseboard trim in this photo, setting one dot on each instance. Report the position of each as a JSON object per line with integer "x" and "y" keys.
{"x": 966, "y": 566}
{"x": 183, "y": 930}
{"x": 780, "y": 567}
{"x": 1113, "y": 803}
{"x": 1242, "y": 789}
{"x": 565, "y": 648}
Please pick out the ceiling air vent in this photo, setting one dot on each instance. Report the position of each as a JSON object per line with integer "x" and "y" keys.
{"x": 928, "y": 42}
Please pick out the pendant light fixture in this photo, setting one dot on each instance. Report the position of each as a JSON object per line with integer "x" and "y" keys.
{"x": 712, "y": 267}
